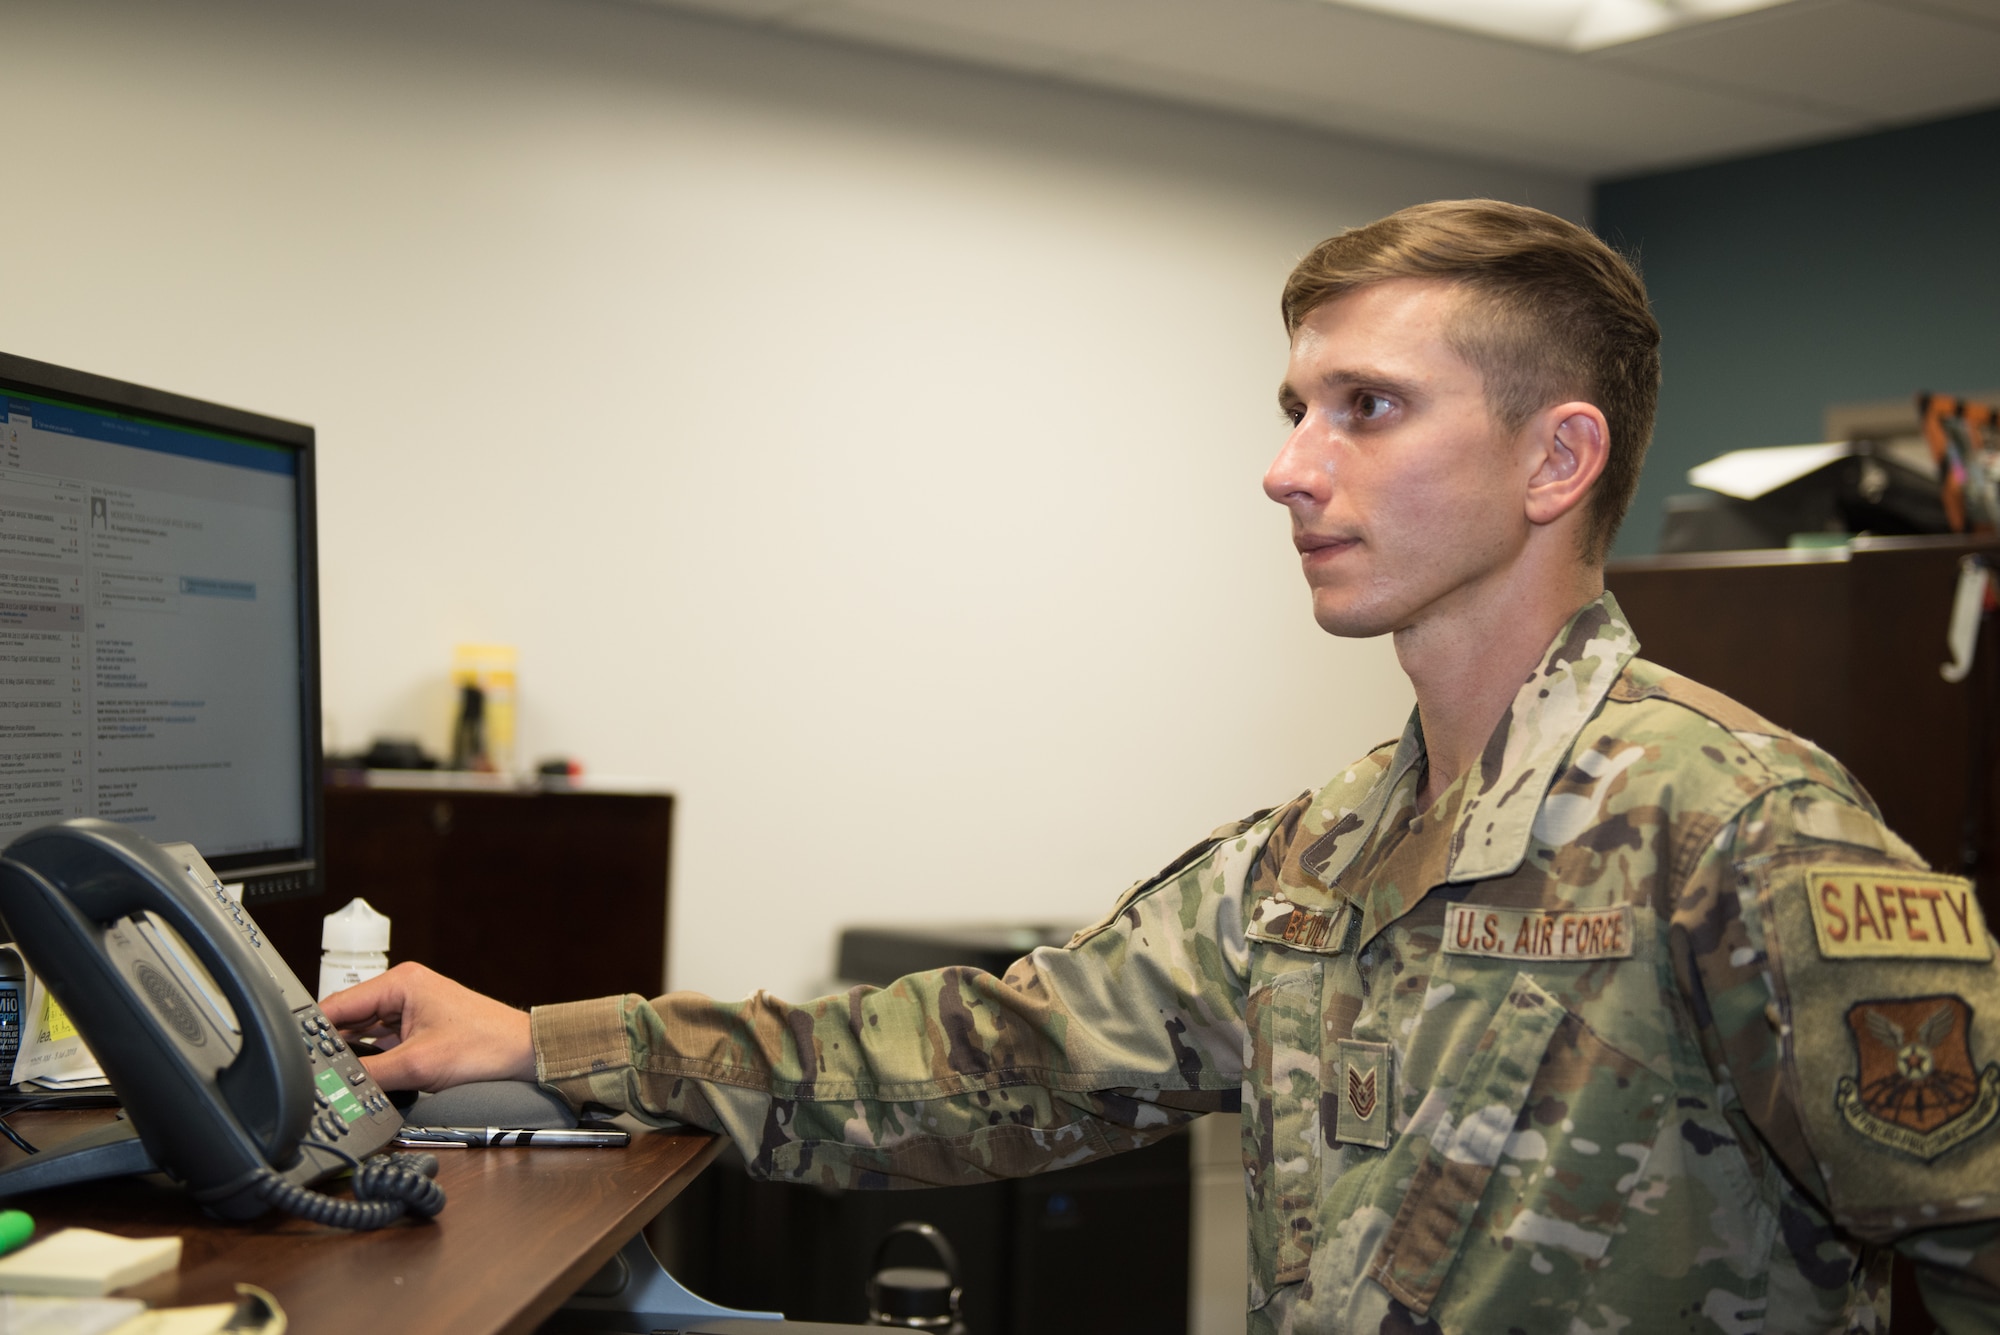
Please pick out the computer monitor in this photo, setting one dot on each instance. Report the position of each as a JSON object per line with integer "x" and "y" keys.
{"x": 159, "y": 650}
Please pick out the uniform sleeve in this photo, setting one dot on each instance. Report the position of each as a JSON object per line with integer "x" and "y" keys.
{"x": 953, "y": 1076}
{"x": 1850, "y": 999}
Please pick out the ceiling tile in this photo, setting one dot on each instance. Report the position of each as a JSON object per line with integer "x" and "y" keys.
{"x": 1986, "y": 12}
{"x": 746, "y": 11}
{"x": 1880, "y": 62}
{"x": 1810, "y": 70}
{"x": 1638, "y": 134}
{"x": 1079, "y": 29}
{"x": 1001, "y": 47}
{"x": 1453, "y": 92}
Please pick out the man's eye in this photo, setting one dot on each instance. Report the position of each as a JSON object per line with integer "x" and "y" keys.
{"x": 1371, "y": 407}
{"x": 1293, "y": 413}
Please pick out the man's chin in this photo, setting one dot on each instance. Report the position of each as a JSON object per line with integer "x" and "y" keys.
{"x": 1353, "y": 623}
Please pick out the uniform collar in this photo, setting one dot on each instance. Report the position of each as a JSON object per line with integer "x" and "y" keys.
{"x": 1500, "y": 798}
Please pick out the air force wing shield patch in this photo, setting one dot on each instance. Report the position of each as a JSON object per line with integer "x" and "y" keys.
{"x": 1916, "y": 1089}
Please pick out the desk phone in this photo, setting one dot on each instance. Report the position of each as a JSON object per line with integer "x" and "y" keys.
{"x": 234, "y": 1082}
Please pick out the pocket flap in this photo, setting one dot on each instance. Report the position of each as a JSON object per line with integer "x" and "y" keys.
{"x": 1444, "y": 1195}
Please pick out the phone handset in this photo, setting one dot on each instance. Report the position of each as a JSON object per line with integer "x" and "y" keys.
{"x": 223, "y": 1107}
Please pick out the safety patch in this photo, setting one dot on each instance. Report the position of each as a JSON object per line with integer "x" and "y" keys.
{"x": 1364, "y": 1094}
{"x": 1544, "y": 934}
{"x": 1889, "y": 913}
{"x": 1918, "y": 1089}
{"x": 1279, "y": 919}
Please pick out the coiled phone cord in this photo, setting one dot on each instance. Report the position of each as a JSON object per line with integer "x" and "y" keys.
{"x": 385, "y": 1188}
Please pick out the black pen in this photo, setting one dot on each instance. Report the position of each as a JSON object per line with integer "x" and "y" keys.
{"x": 579, "y": 1138}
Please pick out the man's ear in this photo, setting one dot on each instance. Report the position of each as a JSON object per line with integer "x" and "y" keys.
{"x": 1569, "y": 444}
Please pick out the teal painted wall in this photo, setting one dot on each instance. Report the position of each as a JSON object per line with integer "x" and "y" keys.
{"x": 1868, "y": 268}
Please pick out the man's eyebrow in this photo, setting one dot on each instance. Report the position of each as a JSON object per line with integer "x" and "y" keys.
{"x": 1359, "y": 377}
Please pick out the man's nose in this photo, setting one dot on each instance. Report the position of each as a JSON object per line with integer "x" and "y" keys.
{"x": 1299, "y": 474}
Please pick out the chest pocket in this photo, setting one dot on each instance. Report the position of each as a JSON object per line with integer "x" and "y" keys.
{"x": 1281, "y": 1131}
{"x": 1520, "y": 1171}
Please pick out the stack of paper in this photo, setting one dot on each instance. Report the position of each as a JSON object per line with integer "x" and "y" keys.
{"x": 30, "y": 1314}
{"x": 22, "y": 1314}
{"x": 53, "y": 1056}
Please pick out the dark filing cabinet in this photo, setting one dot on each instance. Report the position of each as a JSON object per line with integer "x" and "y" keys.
{"x": 1843, "y": 646}
{"x": 1083, "y": 1251}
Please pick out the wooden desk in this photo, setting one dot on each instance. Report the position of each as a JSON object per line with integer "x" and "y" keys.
{"x": 520, "y": 1230}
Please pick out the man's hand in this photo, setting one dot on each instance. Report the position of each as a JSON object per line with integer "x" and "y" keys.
{"x": 433, "y": 1033}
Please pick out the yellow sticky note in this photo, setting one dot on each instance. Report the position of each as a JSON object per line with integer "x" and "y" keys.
{"x": 55, "y": 1023}
{"x": 85, "y": 1262}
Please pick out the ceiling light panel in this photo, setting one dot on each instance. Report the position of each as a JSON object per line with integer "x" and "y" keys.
{"x": 1568, "y": 25}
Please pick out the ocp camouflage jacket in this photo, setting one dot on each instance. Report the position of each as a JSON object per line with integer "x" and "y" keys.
{"x": 1648, "y": 1024}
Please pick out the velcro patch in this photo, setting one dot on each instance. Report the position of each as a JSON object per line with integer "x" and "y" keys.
{"x": 1543, "y": 934}
{"x": 1365, "y": 1094}
{"x": 1917, "y": 1088}
{"x": 1321, "y": 931}
{"x": 1889, "y": 913}
{"x": 1885, "y": 1060}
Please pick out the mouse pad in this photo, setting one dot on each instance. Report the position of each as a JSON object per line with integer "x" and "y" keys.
{"x": 519, "y": 1105}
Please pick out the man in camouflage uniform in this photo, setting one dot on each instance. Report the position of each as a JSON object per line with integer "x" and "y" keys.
{"x": 1595, "y": 1003}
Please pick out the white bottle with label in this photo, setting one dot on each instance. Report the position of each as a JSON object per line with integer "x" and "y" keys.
{"x": 354, "y": 946}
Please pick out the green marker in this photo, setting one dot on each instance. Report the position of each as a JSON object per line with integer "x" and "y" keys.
{"x": 15, "y": 1229}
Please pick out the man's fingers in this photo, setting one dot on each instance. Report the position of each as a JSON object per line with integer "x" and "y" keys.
{"x": 377, "y": 1000}
{"x": 392, "y": 1068}
{"x": 435, "y": 1032}
{"x": 384, "y": 999}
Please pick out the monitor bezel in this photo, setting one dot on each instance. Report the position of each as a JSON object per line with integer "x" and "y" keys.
{"x": 272, "y": 874}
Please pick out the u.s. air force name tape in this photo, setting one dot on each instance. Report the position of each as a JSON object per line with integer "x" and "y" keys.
{"x": 1889, "y": 913}
{"x": 1542, "y": 934}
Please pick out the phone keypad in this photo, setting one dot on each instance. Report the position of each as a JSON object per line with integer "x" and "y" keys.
{"x": 348, "y": 1110}
{"x": 329, "y": 1123}
{"x": 343, "y": 1096}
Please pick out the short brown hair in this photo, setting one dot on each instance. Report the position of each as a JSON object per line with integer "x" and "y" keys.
{"x": 1553, "y": 314}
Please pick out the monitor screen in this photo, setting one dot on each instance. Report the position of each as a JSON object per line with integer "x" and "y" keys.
{"x": 159, "y": 661}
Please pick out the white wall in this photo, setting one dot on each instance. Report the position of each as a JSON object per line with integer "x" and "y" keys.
{"x": 868, "y": 449}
